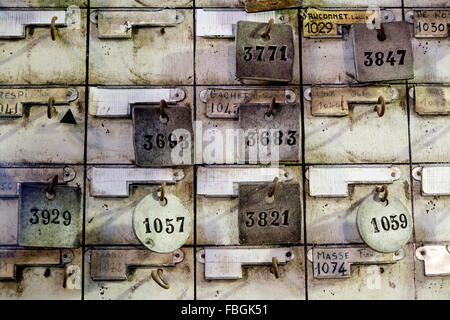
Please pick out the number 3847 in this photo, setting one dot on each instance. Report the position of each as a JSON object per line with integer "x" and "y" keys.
{"x": 380, "y": 58}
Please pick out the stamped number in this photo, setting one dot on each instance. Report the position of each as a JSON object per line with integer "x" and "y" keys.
{"x": 264, "y": 219}
{"x": 391, "y": 223}
{"x": 169, "y": 226}
{"x": 257, "y": 53}
{"x": 378, "y": 58}
{"x": 50, "y": 216}
{"x": 278, "y": 138}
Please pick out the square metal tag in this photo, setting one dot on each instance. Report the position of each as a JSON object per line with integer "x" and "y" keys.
{"x": 51, "y": 223}
{"x": 269, "y": 139}
{"x": 264, "y": 58}
{"x": 159, "y": 142}
{"x": 380, "y": 57}
{"x": 264, "y": 220}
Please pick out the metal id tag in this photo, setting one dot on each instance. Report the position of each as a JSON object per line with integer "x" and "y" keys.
{"x": 436, "y": 259}
{"x": 264, "y": 51}
{"x": 431, "y": 100}
{"x": 271, "y": 131}
{"x": 336, "y": 262}
{"x": 162, "y": 139}
{"x": 384, "y": 224}
{"x": 385, "y": 54}
{"x": 46, "y": 220}
{"x": 429, "y": 23}
{"x": 161, "y": 226}
{"x": 269, "y": 213}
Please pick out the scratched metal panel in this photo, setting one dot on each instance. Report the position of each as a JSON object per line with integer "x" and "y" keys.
{"x": 42, "y": 283}
{"x": 217, "y": 218}
{"x": 369, "y": 282}
{"x": 140, "y": 285}
{"x": 429, "y": 137}
{"x": 9, "y": 209}
{"x": 333, "y": 220}
{"x": 206, "y": 123}
{"x": 42, "y": 3}
{"x": 257, "y": 283}
{"x": 141, "y": 3}
{"x": 33, "y": 138}
{"x": 346, "y": 139}
{"x": 431, "y": 218}
{"x": 431, "y": 288}
{"x": 110, "y": 140}
{"x": 428, "y": 3}
{"x": 37, "y": 59}
{"x": 216, "y": 58}
{"x": 335, "y": 54}
{"x": 109, "y": 220}
{"x": 154, "y": 55}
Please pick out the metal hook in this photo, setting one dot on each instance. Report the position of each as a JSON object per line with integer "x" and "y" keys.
{"x": 50, "y": 193}
{"x": 50, "y": 108}
{"x": 380, "y": 110}
{"x": 271, "y": 107}
{"x": 274, "y": 269}
{"x": 384, "y": 189}
{"x": 381, "y": 35}
{"x": 162, "y": 196}
{"x": 53, "y": 30}
{"x": 269, "y": 28}
{"x": 162, "y": 106}
{"x": 271, "y": 193}
{"x": 160, "y": 279}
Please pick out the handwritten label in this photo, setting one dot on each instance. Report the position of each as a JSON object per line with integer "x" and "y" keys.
{"x": 431, "y": 23}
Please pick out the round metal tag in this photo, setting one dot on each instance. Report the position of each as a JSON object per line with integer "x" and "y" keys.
{"x": 161, "y": 226}
{"x": 384, "y": 226}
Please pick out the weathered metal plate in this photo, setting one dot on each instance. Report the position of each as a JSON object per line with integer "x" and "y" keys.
{"x": 138, "y": 283}
{"x": 393, "y": 280}
{"x": 334, "y": 181}
{"x": 328, "y": 23}
{"x": 10, "y": 258}
{"x": 430, "y": 23}
{"x": 436, "y": 259}
{"x": 264, "y": 5}
{"x": 335, "y": 101}
{"x": 113, "y": 264}
{"x": 116, "y": 102}
{"x": 39, "y": 60}
{"x": 224, "y": 102}
{"x": 380, "y": 60}
{"x": 431, "y": 100}
{"x": 227, "y": 262}
{"x": 10, "y": 178}
{"x": 384, "y": 227}
{"x": 332, "y": 219}
{"x": 335, "y": 263}
{"x": 119, "y": 24}
{"x": 264, "y": 58}
{"x": 264, "y": 220}
{"x": 269, "y": 139}
{"x": 115, "y": 182}
{"x": 435, "y": 180}
{"x": 33, "y": 137}
{"x": 166, "y": 59}
{"x": 224, "y": 181}
{"x": 162, "y": 226}
{"x": 163, "y": 142}
{"x": 13, "y": 101}
{"x": 257, "y": 282}
{"x": 109, "y": 219}
{"x": 344, "y": 140}
{"x": 54, "y": 223}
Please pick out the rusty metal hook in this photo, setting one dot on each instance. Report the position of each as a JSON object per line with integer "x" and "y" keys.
{"x": 380, "y": 110}
{"x": 269, "y": 28}
{"x": 50, "y": 108}
{"x": 271, "y": 107}
{"x": 50, "y": 193}
{"x": 53, "y": 30}
{"x": 271, "y": 192}
{"x": 274, "y": 269}
{"x": 384, "y": 189}
{"x": 162, "y": 196}
{"x": 381, "y": 35}
{"x": 162, "y": 106}
{"x": 160, "y": 279}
